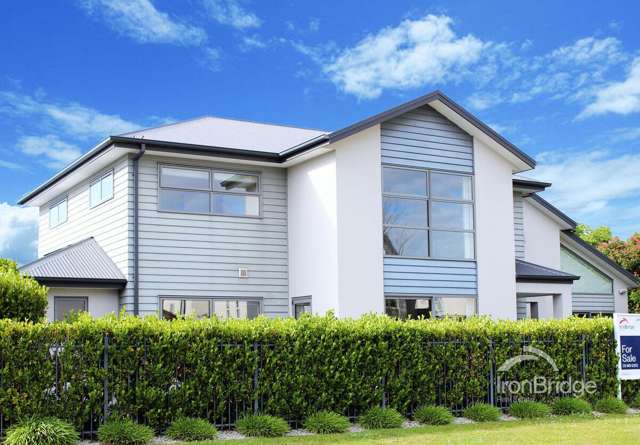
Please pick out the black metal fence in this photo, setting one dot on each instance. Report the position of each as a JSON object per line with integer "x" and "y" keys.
{"x": 446, "y": 393}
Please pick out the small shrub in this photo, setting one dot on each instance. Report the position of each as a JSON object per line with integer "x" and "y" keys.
{"x": 528, "y": 409}
{"x": 124, "y": 432}
{"x": 326, "y": 422}
{"x": 21, "y": 297}
{"x": 262, "y": 425}
{"x": 482, "y": 412}
{"x": 433, "y": 415}
{"x": 567, "y": 406}
{"x": 45, "y": 431}
{"x": 188, "y": 428}
{"x": 381, "y": 418}
{"x": 611, "y": 405}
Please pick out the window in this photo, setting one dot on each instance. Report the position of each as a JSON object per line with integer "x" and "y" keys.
{"x": 173, "y": 308}
{"x": 429, "y": 307}
{"x": 208, "y": 191}
{"x": 301, "y": 305}
{"x": 58, "y": 213}
{"x": 65, "y": 306}
{"x": 591, "y": 281}
{"x": 101, "y": 190}
{"x": 427, "y": 214}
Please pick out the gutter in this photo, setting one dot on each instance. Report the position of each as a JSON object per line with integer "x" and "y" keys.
{"x": 136, "y": 230}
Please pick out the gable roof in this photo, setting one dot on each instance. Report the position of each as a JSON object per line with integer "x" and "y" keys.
{"x": 82, "y": 263}
{"x": 253, "y": 141}
{"x": 230, "y": 133}
{"x": 530, "y": 272}
{"x": 546, "y": 205}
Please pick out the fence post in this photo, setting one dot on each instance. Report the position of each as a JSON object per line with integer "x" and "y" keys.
{"x": 257, "y": 352}
{"x": 105, "y": 383}
{"x": 491, "y": 373}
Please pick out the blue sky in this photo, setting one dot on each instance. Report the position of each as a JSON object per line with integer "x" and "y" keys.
{"x": 559, "y": 79}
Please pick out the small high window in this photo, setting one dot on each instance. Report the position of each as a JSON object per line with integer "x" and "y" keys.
{"x": 58, "y": 213}
{"x": 101, "y": 190}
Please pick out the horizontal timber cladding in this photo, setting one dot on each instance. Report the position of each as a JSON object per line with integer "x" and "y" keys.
{"x": 518, "y": 224}
{"x": 195, "y": 255}
{"x": 409, "y": 276}
{"x": 593, "y": 303}
{"x": 424, "y": 138}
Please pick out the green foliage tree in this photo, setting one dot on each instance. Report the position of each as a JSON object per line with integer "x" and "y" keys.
{"x": 21, "y": 297}
{"x": 594, "y": 236}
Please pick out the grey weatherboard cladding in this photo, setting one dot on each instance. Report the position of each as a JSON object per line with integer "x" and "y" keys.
{"x": 422, "y": 138}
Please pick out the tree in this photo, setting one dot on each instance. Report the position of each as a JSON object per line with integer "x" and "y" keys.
{"x": 21, "y": 297}
{"x": 594, "y": 236}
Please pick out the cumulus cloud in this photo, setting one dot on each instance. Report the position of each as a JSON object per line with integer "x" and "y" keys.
{"x": 229, "y": 12}
{"x": 142, "y": 22}
{"x": 588, "y": 184}
{"x": 51, "y": 150}
{"x": 72, "y": 118}
{"x": 617, "y": 97}
{"x": 18, "y": 233}
{"x": 411, "y": 55}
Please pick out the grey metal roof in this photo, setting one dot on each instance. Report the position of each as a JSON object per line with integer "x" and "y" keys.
{"x": 526, "y": 272}
{"x": 84, "y": 261}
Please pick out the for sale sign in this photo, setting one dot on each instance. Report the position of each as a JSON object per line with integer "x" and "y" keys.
{"x": 626, "y": 328}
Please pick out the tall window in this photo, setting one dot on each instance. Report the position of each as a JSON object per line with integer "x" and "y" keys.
{"x": 206, "y": 307}
{"x": 208, "y": 191}
{"x": 427, "y": 214}
{"x": 58, "y": 213}
{"x": 101, "y": 190}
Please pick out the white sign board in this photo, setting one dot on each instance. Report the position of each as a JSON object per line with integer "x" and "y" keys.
{"x": 626, "y": 328}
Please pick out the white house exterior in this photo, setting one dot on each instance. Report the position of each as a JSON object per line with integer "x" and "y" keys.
{"x": 420, "y": 210}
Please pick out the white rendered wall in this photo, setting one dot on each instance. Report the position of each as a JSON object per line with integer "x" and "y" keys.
{"x": 100, "y": 301}
{"x": 542, "y": 235}
{"x": 359, "y": 203}
{"x": 313, "y": 233}
{"x": 495, "y": 250}
{"x": 621, "y": 300}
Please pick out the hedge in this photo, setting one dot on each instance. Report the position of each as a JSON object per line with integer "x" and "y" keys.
{"x": 155, "y": 371}
{"x": 21, "y": 297}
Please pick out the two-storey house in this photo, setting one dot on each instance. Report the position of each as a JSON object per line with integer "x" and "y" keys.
{"x": 419, "y": 210}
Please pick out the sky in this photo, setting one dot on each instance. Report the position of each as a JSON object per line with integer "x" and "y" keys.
{"x": 561, "y": 80}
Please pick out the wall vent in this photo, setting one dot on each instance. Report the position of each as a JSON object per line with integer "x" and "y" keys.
{"x": 243, "y": 272}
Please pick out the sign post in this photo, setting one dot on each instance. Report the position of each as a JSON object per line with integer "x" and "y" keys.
{"x": 626, "y": 328}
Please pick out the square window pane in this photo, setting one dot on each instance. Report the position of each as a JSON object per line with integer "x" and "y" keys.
{"x": 405, "y": 212}
{"x": 107, "y": 187}
{"x": 171, "y": 309}
{"x": 196, "y": 308}
{"x": 62, "y": 212}
{"x": 184, "y": 178}
{"x": 253, "y": 309}
{"x": 183, "y": 201}
{"x": 451, "y": 186}
{"x": 220, "y": 309}
{"x": 405, "y": 242}
{"x": 451, "y": 215}
{"x": 227, "y": 204}
{"x": 404, "y": 308}
{"x": 457, "y": 245}
{"x": 408, "y": 182}
{"x": 235, "y": 182}
{"x": 454, "y": 307}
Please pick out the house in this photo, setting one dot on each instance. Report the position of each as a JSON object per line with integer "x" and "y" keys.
{"x": 419, "y": 210}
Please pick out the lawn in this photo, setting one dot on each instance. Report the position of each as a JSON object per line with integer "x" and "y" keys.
{"x": 567, "y": 430}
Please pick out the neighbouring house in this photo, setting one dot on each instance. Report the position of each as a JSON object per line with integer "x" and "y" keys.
{"x": 419, "y": 210}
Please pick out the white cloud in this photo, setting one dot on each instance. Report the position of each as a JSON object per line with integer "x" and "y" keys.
{"x": 617, "y": 97}
{"x": 588, "y": 184}
{"x": 253, "y": 42}
{"x": 413, "y": 54}
{"x": 142, "y": 22}
{"x": 211, "y": 59}
{"x": 74, "y": 119}
{"x": 229, "y": 12}
{"x": 10, "y": 165}
{"x": 57, "y": 153}
{"x": 18, "y": 233}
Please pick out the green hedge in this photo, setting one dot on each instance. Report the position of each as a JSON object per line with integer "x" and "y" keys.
{"x": 158, "y": 371}
{"x": 21, "y": 297}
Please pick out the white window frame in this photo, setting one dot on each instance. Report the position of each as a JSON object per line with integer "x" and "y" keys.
{"x": 212, "y": 191}
{"x": 55, "y": 205}
{"x": 99, "y": 180}
{"x": 429, "y": 200}
{"x": 211, "y": 301}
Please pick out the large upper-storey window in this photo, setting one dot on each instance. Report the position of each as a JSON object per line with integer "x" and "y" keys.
{"x": 427, "y": 214}
{"x": 209, "y": 191}
{"x": 101, "y": 189}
